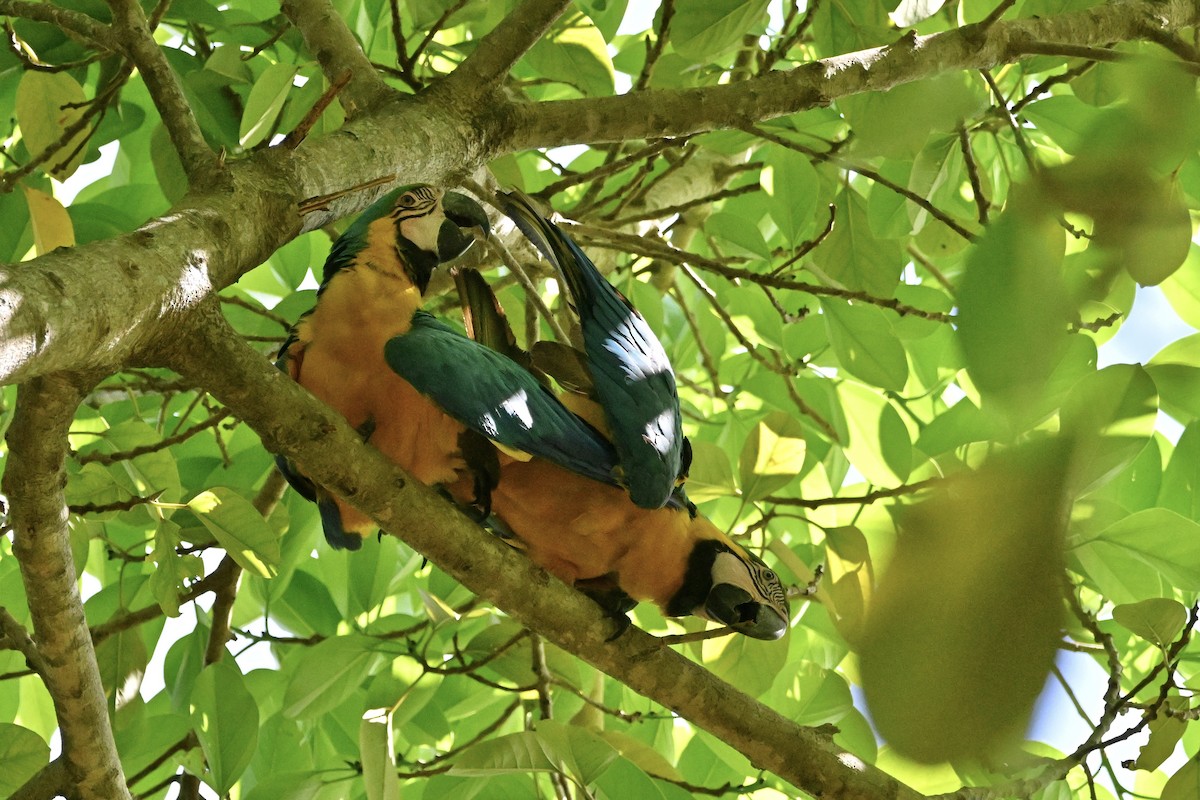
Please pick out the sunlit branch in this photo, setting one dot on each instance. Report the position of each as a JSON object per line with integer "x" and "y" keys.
{"x": 853, "y": 500}
{"x": 503, "y": 47}
{"x": 200, "y": 163}
{"x": 78, "y": 24}
{"x": 34, "y": 481}
{"x": 654, "y": 50}
{"x": 679, "y": 112}
{"x": 331, "y": 41}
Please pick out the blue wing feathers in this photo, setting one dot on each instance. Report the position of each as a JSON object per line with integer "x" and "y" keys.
{"x": 494, "y": 396}
{"x": 634, "y": 381}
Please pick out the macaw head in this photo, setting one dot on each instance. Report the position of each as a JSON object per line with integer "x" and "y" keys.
{"x": 726, "y": 584}
{"x": 427, "y": 225}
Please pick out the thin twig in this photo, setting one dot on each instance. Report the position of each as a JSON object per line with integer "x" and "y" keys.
{"x": 863, "y": 499}
{"x": 301, "y": 131}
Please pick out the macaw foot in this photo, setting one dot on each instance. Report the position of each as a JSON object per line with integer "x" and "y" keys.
{"x": 615, "y": 604}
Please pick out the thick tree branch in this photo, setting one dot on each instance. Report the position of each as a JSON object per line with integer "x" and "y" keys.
{"x": 293, "y": 423}
{"x": 50, "y": 319}
{"x": 34, "y": 481}
{"x": 504, "y": 46}
{"x": 200, "y": 163}
{"x": 658, "y": 113}
{"x": 75, "y": 23}
{"x": 330, "y": 40}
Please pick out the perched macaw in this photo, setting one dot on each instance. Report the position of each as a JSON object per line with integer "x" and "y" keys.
{"x": 373, "y": 282}
{"x": 633, "y": 381}
{"x": 557, "y": 488}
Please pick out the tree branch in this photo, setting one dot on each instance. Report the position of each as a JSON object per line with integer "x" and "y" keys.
{"x": 330, "y": 40}
{"x": 200, "y": 163}
{"x": 75, "y": 23}
{"x": 680, "y": 112}
{"x": 33, "y": 482}
{"x": 503, "y": 47}
{"x": 293, "y": 423}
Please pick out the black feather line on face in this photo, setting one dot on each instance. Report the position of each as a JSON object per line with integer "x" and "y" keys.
{"x": 418, "y": 264}
{"x": 697, "y": 581}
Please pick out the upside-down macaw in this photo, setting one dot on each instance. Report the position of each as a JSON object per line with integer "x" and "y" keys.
{"x": 557, "y": 486}
{"x": 373, "y": 281}
{"x": 633, "y": 382}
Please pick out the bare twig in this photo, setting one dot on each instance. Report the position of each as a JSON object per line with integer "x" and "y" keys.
{"x": 300, "y": 132}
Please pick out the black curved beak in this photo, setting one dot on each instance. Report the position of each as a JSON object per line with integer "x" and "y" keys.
{"x": 733, "y": 606}
{"x": 462, "y": 214}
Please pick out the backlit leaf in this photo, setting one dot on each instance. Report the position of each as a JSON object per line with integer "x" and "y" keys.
{"x": 52, "y": 226}
{"x": 703, "y": 29}
{"x": 225, "y": 719}
{"x": 48, "y": 104}
{"x": 976, "y": 579}
{"x": 1157, "y": 620}
{"x": 865, "y": 343}
{"x": 23, "y": 753}
{"x": 264, "y": 104}
{"x": 239, "y": 528}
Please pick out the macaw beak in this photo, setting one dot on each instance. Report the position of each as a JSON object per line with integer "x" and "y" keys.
{"x": 462, "y": 214}
{"x": 733, "y": 606}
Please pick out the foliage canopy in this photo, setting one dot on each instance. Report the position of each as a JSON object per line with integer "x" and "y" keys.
{"x": 884, "y": 308}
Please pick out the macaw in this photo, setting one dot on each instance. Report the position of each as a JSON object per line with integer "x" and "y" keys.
{"x": 567, "y": 504}
{"x": 633, "y": 382}
{"x": 373, "y": 281}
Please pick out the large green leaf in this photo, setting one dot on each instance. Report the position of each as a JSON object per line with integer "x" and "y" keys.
{"x": 48, "y": 104}
{"x": 225, "y": 719}
{"x": 23, "y": 753}
{"x": 1013, "y": 311}
{"x": 865, "y": 343}
{"x": 976, "y": 579}
{"x": 264, "y": 104}
{"x": 705, "y": 29}
{"x": 1155, "y": 539}
{"x": 328, "y": 673}
{"x": 853, "y": 256}
{"x": 239, "y": 528}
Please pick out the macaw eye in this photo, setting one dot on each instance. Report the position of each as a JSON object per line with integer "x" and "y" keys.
{"x": 407, "y": 200}
{"x": 768, "y": 575}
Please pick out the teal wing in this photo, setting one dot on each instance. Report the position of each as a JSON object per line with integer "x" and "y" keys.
{"x": 496, "y": 397}
{"x": 633, "y": 378}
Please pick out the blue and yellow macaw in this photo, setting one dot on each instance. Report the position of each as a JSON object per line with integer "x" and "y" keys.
{"x": 373, "y": 281}
{"x": 568, "y": 506}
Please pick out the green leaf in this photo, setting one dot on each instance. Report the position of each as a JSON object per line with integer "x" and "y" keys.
{"x": 772, "y": 456}
{"x": 749, "y": 664}
{"x": 264, "y": 104}
{"x": 378, "y": 753}
{"x": 792, "y": 186}
{"x": 1180, "y": 491}
{"x": 1161, "y": 541}
{"x": 1111, "y": 415}
{"x": 514, "y": 752}
{"x": 23, "y": 753}
{"x": 740, "y": 236}
{"x": 1013, "y": 310}
{"x": 577, "y": 55}
{"x": 1184, "y": 784}
{"x": 1165, "y": 732}
{"x": 239, "y": 529}
{"x": 225, "y": 719}
{"x": 1182, "y": 288}
{"x": 851, "y": 580}
{"x": 976, "y": 579}
{"x": 702, "y": 30}
{"x": 1157, "y": 620}
{"x": 711, "y": 475}
{"x": 48, "y": 103}
{"x": 865, "y": 343}
{"x": 853, "y": 256}
{"x": 328, "y": 673}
